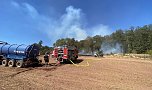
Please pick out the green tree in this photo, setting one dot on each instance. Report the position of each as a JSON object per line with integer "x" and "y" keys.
{"x": 89, "y": 44}
{"x": 66, "y": 41}
{"x": 119, "y": 38}
{"x": 43, "y": 49}
{"x": 97, "y": 40}
{"x": 40, "y": 44}
{"x": 130, "y": 40}
{"x": 142, "y": 41}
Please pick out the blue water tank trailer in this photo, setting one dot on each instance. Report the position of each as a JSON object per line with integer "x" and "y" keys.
{"x": 18, "y": 55}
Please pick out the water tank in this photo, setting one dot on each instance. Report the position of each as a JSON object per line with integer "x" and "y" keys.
{"x": 24, "y": 50}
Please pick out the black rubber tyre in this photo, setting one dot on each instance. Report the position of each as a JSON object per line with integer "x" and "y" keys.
{"x": 5, "y": 63}
{"x": 20, "y": 63}
{"x": 11, "y": 63}
{"x": 75, "y": 58}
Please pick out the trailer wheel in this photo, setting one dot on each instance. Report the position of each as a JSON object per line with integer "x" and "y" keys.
{"x": 19, "y": 63}
{"x": 5, "y": 63}
{"x": 11, "y": 63}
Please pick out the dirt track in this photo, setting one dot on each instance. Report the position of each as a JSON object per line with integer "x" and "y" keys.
{"x": 102, "y": 74}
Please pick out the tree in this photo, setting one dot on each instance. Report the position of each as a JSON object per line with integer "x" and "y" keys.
{"x": 129, "y": 36}
{"x": 97, "y": 42}
{"x": 60, "y": 42}
{"x": 66, "y": 41}
{"x": 43, "y": 49}
{"x": 134, "y": 40}
{"x": 40, "y": 44}
{"x": 119, "y": 38}
{"x": 89, "y": 44}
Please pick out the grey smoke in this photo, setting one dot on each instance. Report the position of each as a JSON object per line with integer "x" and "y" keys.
{"x": 113, "y": 48}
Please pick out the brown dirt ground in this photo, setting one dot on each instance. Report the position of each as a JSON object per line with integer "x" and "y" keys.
{"x": 108, "y": 73}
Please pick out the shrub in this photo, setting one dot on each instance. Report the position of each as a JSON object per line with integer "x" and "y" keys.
{"x": 149, "y": 52}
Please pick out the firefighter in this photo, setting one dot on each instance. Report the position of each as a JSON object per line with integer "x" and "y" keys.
{"x": 46, "y": 58}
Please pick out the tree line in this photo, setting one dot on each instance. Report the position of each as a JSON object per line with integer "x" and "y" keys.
{"x": 134, "y": 40}
{"x": 43, "y": 49}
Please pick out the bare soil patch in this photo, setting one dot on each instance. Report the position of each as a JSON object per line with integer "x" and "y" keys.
{"x": 108, "y": 73}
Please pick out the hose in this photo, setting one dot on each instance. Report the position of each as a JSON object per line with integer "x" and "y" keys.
{"x": 80, "y": 65}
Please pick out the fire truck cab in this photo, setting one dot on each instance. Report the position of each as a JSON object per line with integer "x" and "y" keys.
{"x": 65, "y": 53}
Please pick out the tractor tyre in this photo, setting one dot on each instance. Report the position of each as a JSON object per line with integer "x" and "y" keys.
{"x": 20, "y": 63}
{"x": 5, "y": 63}
{"x": 11, "y": 63}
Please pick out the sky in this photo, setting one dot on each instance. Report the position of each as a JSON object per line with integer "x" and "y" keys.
{"x": 29, "y": 21}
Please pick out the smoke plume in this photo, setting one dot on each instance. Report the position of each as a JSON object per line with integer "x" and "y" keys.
{"x": 71, "y": 24}
{"x": 111, "y": 48}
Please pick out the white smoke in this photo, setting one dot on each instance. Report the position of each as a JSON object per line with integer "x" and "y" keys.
{"x": 100, "y": 30}
{"x": 70, "y": 25}
{"x": 111, "y": 48}
{"x": 26, "y": 8}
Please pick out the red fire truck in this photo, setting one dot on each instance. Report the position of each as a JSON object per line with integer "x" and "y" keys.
{"x": 65, "y": 53}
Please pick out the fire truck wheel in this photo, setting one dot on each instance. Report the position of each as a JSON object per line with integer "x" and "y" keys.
{"x": 75, "y": 58}
{"x": 65, "y": 61}
{"x": 20, "y": 63}
{"x": 5, "y": 63}
{"x": 11, "y": 63}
